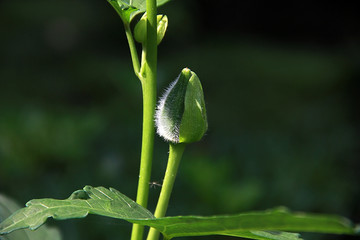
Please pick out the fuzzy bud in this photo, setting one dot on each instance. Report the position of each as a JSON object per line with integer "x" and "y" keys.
{"x": 181, "y": 114}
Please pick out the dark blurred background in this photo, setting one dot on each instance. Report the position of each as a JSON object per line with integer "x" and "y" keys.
{"x": 281, "y": 84}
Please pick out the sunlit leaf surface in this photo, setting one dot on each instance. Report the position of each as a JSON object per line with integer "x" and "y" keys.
{"x": 100, "y": 201}
{"x": 111, "y": 203}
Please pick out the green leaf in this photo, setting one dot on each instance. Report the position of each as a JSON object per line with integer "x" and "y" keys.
{"x": 236, "y": 225}
{"x": 267, "y": 235}
{"x": 128, "y": 9}
{"x": 111, "y": 203}
{"x": 100, "y": 201}
{"x": 8, "y": 206}
{"x": 161, "y": 2}
{"x": 141, "y": 4}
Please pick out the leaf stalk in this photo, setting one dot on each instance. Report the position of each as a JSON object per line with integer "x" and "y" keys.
{"x": 133, "y": 51}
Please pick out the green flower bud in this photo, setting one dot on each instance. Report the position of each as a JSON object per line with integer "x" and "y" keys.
{"x": 140, "y": 28}
{"x": 181, "y": 114}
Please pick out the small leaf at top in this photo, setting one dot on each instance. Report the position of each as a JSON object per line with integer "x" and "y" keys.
{"x": 125, "y": 11}
{"x": 128, "y": 9}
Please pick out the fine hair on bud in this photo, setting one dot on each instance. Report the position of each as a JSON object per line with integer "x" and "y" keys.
{"x": 168, "y": 116}
{"x": 180, "y": 115}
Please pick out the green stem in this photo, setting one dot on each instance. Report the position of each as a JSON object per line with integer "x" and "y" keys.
{"x": 151, "y": 41}
{"x": 148, "y": 81}
{"x": 133, "y": 51}
{"x": 175, "y": 154}
{"x": 149, "y": 101}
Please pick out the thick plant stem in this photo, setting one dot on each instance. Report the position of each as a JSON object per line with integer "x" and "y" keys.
{"x": 148, "y": 81}
{"x": 175, "y": 154}
{"x": 146, "y": 153}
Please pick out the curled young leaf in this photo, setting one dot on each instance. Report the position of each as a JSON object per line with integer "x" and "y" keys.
{"x": 181, "y": 114}
{"x": 140, "y": 28}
